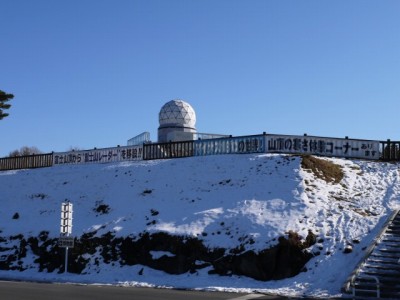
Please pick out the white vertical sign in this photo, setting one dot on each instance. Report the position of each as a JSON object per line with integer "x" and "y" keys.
{"x": 66, "y": 229}
{"x": 66, "y": 218}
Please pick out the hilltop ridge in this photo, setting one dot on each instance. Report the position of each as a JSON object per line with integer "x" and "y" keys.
{"x": 233, "y": 202}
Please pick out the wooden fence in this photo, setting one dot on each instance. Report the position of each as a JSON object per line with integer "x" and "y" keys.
{"x": 390, "y": 151}
{"x": 168, "y": 150}
{"x": 26, "y": 162}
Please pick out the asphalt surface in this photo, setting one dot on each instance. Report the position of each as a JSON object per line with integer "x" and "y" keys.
{"x": 10, "y": 290}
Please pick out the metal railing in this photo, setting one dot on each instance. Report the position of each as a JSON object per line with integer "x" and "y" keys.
{"x": 365, "y": 277}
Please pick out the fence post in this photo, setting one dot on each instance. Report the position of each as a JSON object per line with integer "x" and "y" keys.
{"x": 387, "y": 150}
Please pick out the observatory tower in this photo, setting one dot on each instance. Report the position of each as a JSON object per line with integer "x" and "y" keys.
{"x": 177, "y": 122}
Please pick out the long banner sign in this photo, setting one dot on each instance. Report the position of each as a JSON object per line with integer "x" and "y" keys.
{"x": 99, "y": 155}
{"x": 236, "y": 145}
{"x": 233, "y": 145}
{"x": 322, "y": 146}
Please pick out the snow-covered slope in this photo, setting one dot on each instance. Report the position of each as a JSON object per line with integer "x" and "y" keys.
{"x": 219, "y": 199}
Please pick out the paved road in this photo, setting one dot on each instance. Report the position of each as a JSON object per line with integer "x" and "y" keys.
{"x": 47, "y": 291}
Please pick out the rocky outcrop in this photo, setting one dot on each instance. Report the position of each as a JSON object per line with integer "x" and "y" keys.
{"x": 284, "y": 260}
{"x": 178, "y": 255}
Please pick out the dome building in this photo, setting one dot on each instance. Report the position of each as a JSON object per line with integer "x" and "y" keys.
{"x": 177, "y": 121}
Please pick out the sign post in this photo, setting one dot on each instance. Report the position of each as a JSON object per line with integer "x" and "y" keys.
{"x": 65, "y": 239}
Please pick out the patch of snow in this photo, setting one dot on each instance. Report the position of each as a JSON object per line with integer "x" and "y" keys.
{"x": 218, "y": 199}
{"x": 158, "y": 254}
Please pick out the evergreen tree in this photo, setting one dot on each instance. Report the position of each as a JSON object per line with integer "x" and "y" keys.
{"x": 4, "y": 98}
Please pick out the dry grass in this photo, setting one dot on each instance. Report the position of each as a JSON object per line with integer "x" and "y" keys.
{"x": 322, "y": 169}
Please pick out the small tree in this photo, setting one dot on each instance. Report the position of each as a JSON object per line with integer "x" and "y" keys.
{"x": 4, "y": 98}
{"x": 25, "y": 151}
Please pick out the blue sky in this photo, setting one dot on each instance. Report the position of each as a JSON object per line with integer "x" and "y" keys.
{"x": 95, "y": 73}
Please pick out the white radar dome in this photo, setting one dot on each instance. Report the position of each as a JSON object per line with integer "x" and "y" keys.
{"x": 177, "y": 113}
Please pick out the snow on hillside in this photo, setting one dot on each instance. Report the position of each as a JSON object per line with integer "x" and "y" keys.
{"x": 219, "y": 199}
